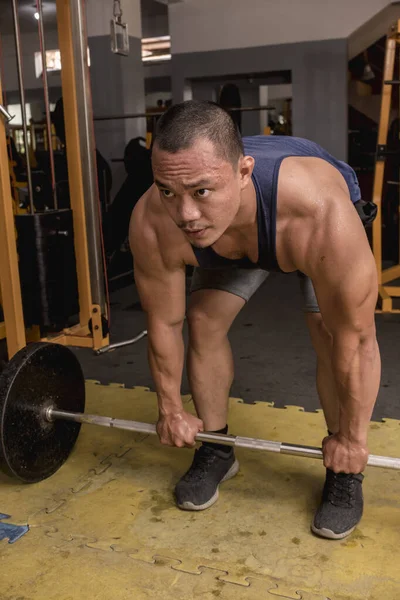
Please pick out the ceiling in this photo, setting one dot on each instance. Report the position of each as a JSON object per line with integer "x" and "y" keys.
{"x": 27, "y": 8}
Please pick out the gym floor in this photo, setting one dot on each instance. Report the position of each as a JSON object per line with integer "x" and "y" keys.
{"x": 274, "y": 360}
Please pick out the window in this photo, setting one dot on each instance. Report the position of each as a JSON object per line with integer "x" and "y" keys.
{"x": 156, "y": 49}
{"x": 53, "y": 62}
{"x": 15, "y": 109}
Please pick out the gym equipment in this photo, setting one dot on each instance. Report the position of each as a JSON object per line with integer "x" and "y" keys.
{"x": 47, "y": 268}
{"x": 5, "y": 114}
{"x": 38, "y": 377}
{"x": 42, "y": 398}
{"x": 119, "y": 32}
{"x": 111, "y": 347}
{"x": 39, "y": 5}
{"x": 18, "y": 51}
{"x": 229, "y": 98}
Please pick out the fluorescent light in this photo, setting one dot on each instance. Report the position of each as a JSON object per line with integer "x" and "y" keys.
{"x": 155, "y": 58}
{"x": 37, "y": 16}
{"x": 157, "y": 46}
{"x": 161, "y": 38}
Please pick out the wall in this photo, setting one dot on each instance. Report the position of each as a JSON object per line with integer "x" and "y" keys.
{"x": 319, "y": 82}
{"x": 204, "y": 25}
{"x": 155, "y": 26}
{"x": 100, "y": 12}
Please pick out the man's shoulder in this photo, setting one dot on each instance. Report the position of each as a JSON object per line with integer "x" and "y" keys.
{"x": 307, "y": 183}
{"x": 153, "y": 232}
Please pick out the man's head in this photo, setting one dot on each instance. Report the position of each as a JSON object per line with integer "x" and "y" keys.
{"x": 200, "y": 169}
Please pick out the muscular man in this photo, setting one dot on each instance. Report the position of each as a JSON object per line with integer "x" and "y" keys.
{"x": 236, "y": 209}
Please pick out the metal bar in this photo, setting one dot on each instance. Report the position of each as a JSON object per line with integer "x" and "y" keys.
{"x": 46, "y": 100}
{"x": 6, "y": 114}
{"x": 89, "y": 168}
{"x": 74, "y": 153}
{"x": 392, "y": 290}
{"x": 390, "y": 273}
{"x": 17, "y": 34}
{"x": 159, "y": 114}
{"x": 386, "y": 300}
{"x": 121, "y": 344}
{"x": 228, "y": 440}
{"x": 250, "y": 108}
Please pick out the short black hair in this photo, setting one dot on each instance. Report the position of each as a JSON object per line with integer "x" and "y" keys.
{"x": 182, "y": 124}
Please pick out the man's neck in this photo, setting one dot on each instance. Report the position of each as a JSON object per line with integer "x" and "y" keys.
{"x": 246, "y": 216}
{"x": 241, "y": 237}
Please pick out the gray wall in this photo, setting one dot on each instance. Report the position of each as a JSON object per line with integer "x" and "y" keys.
{"x": 117, "y": 89}
{"x": 319, "y": 79}
{"x": 208, "y": 25}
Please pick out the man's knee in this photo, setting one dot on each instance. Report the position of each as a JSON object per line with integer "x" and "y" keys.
{"x": 205, "y": 329}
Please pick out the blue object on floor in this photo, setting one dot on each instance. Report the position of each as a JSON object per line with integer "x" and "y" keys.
{"x": 11, "y": 532}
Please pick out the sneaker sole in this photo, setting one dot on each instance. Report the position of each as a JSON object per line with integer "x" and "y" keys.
{"x": 329, "y": 534}
{"x": 190, "y": 506}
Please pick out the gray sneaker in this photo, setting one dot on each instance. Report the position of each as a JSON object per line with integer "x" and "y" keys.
{"x": 198, "y": 488}
{"x": 341, "y": 507}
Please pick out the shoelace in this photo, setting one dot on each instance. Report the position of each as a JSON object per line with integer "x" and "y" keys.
{"x": 203, "y": 459}
{"x": 341, "y": 490}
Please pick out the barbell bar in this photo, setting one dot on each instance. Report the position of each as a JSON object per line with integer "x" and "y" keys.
{"x": 216, "y": 438}
{"x": 42, "y": 408}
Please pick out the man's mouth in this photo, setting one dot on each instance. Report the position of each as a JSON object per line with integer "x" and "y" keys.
{"x": 194, "y": 232}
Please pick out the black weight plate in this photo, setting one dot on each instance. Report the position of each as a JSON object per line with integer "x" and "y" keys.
{"x": 38, "y": 376}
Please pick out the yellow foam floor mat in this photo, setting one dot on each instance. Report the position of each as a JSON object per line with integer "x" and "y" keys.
{"x": 106, "y": 527}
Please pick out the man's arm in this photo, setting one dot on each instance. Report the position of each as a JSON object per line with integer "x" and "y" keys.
{"x": 161, "y": 288}
{"x": 340, "y": 263}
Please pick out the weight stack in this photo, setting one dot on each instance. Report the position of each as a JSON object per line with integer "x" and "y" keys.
{"x": 47, "y": 268}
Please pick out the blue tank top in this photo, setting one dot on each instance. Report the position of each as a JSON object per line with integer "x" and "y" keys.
{"x": 269, "y": 152}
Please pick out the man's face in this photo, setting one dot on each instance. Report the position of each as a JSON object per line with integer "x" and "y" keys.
{"x": 200, "y": 191}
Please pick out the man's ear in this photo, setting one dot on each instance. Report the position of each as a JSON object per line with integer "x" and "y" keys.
{"x": 246, "y": 166}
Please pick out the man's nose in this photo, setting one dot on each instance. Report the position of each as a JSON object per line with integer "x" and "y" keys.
{"x": 188, "y": 210}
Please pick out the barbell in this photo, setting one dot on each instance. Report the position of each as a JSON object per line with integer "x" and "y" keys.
{"x": 42, "y": 403}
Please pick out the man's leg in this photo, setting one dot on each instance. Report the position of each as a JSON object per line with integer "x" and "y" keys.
{"x": 217, "y": 297}
{"x": 209, "y": 358}
{"x": 341, "y": 506}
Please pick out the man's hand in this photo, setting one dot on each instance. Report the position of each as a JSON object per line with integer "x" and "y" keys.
{"x": 179, "y": 429}
{"x": 344, "y": 456}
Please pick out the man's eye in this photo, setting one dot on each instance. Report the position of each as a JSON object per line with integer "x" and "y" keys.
{"x": 202, "y": 193}
{"x": 167, "y": 193}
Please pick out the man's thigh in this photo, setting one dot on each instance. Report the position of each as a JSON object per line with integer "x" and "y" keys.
{"x": 240, "y": 282}
{"x": 310, "y": 302}
{"x": 218, "y": 295}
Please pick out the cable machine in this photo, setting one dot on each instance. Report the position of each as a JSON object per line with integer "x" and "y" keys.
{"x": 52, "y": 265}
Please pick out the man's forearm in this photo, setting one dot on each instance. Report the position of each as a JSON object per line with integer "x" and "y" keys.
{"x": 357, "y": 371}
{"x": 166, "y": 359}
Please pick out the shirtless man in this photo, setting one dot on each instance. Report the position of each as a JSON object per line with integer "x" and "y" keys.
{"x": 236, "y": 209}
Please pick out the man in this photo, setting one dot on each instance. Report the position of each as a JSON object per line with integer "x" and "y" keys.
{"x": 236, "y": 209}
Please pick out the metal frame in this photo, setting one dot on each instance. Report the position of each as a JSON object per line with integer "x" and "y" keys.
{"x": 385, "y": 276}
{"x": 10, "y": 285}
{"x": 84, "y": 200}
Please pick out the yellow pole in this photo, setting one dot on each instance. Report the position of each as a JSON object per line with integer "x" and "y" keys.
{"x": 9, "y": 273}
